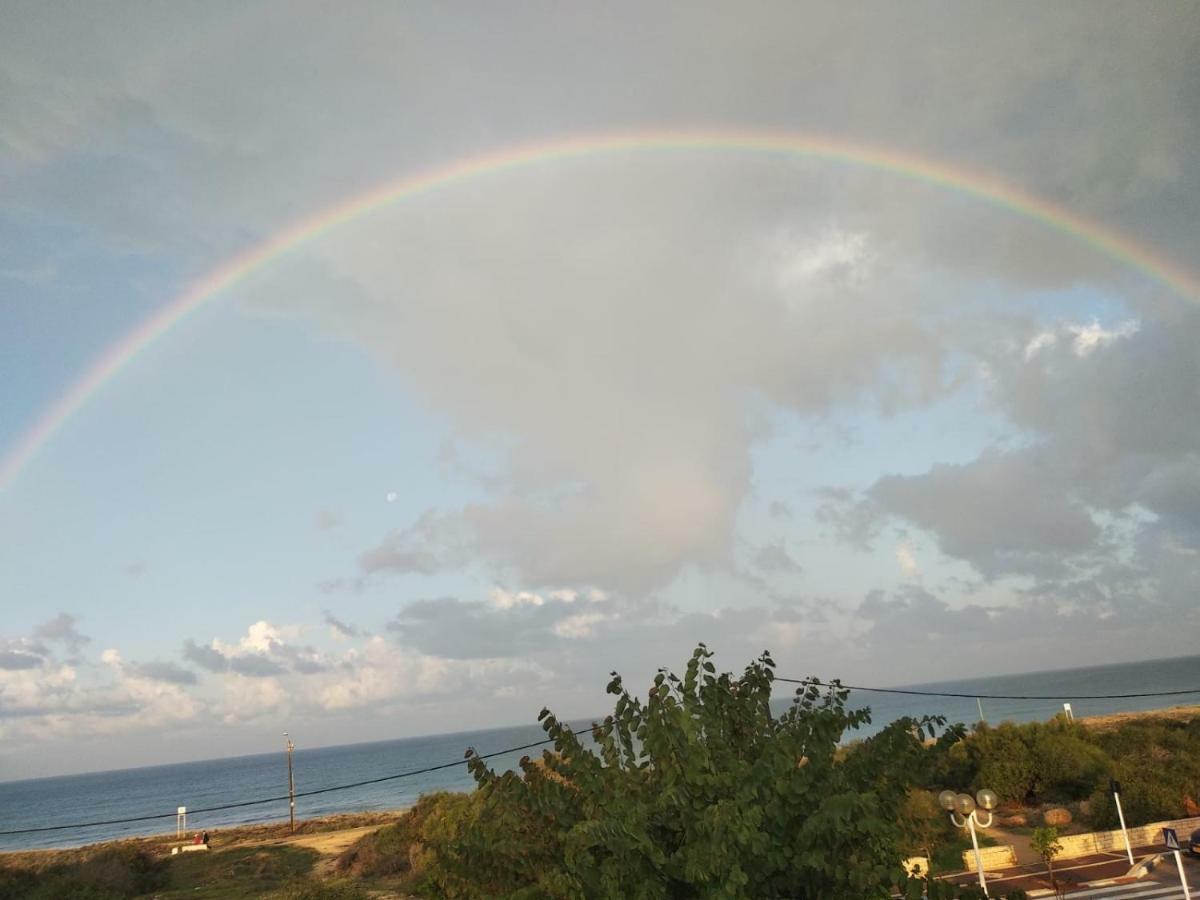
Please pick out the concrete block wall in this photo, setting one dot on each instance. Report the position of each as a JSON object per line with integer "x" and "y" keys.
{"x": 998, "y": 857}
{"x": 1103, "y": 841}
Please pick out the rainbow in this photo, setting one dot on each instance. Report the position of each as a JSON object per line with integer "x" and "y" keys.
{"x": 930, "y": 171}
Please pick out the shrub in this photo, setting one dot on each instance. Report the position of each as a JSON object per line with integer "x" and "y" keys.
{"x": 321, "y": 890}
{"x": 1002, "y": 762}
{"x": 697, "y": 792}
{"x": 113, "y": 873}
{"x": 411, "y": 847}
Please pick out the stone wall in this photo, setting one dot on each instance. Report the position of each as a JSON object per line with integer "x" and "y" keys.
{"x": 998, "y": 857}
{"x": 1104, "y": 841}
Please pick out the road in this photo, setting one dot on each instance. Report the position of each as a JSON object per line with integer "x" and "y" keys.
{"x": 1101, "y": 876}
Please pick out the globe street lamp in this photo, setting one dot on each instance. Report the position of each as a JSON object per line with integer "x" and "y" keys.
{"x": 964, "y": 812}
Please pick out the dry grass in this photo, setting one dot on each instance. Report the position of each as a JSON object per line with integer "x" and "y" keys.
{"x": 219, "y": 839}
{"x": 1115, "y": 720}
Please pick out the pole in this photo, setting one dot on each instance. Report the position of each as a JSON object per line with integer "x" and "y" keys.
{"x": 1187, "y": 894}
{"x": 1124, "y": 832}
{"x": 291, "y": 786}
{"x": 978, "y": 858}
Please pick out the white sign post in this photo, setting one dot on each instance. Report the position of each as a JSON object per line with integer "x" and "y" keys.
{"x": 1171, "y": 839}
{"x": 180, "y": 821}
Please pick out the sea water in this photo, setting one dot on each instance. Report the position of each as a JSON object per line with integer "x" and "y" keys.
{"x": 158, "y": 790}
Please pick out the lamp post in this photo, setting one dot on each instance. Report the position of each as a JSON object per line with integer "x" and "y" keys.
{"x": 964, "y": 812}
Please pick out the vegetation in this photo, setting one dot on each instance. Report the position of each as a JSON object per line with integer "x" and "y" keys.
{"x": 1045, "y": 844}
{"x": 700, "y": 791}
{"x": 113, "y": 873}
{"x": 1156, "y": 760}
{"x": 122, "y": 873}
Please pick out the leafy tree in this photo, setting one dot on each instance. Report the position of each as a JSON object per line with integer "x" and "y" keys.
{"x": 1066, "y": 763}
{"x": 1002, "y": 761}
{"x": 699, "y": 791}
{"x": 1045, "y": 844}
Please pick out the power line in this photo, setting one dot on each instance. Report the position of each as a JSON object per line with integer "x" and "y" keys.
{"x": 816, "y": 682}
{"x": 1068, "y": 697}
{"x": 244, "y": 803}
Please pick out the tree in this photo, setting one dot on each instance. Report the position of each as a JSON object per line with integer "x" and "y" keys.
{"x": 699, "y": 791}
{"x": 1045, "y": 844}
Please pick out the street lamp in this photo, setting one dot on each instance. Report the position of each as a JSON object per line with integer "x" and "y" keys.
{"x": 964, "y": 812}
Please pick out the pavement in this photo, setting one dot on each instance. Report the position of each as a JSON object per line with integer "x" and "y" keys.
{"x": 1104, "y": 876}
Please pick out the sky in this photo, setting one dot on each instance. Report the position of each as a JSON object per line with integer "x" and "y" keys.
{"x": 467, "y": 452}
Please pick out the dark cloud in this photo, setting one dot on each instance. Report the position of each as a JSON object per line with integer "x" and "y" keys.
{"x": 342, "y": 628}
{"x": 61, "y": 629}
{"x": 167, "y": 672}
{"x": 429, "y": 545}
{"x": 277, "y": 659}
{"x": 252, "y": 665}
{"x": 1003, "y": 513}
{"x": 15, "y": 660}
{"x": 775, "y": 559}
{"x": 208, "y": 658}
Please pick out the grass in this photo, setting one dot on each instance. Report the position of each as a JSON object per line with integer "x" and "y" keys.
{"x": 241, "y": 873}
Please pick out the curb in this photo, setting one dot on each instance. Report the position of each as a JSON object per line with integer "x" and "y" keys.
{"x": 1146, "y": 866}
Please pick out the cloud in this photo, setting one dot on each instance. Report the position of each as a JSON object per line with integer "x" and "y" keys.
{"x": 263, "y": 652}
{"x": 610, "y": 333}
{"x": 1003, "y": 513}
{"x": 61, "y": 629}
{"x": 14, "y": 660}
{"x": 207, "y": 658}
{"x": 429, "y": 545}
{"x": 327, "y": 519}
{"x": 906, "y": 559}
{"x": 775, "y": 559}
{"x": 340, "y": 628}
{"x": 167, "y": 672}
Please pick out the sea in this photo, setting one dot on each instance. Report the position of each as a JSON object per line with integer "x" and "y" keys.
{"x": 160, "y": 790}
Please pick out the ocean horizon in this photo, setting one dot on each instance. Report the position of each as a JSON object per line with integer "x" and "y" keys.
{"x": 49, "y": 801}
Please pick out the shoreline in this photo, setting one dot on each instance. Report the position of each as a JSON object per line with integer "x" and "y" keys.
{"x": 260, "y": 834}
{"x": 277, "y": 831}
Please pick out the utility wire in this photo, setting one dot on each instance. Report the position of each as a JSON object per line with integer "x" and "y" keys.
{"x": 853, "y": 687}
{"x": 340, "y": 787}
{"x": 816, "y": 682}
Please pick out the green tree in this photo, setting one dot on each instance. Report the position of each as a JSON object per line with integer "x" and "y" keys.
{"x": 699, "y": 791}
{"x": 1045, "y": 844}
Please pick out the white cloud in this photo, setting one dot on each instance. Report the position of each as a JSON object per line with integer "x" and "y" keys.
{"x": 580, "y": 625}
{"x": 833, "y": 253}
{"x": 907, "y": 560}
{"x": 1091, "y": 337}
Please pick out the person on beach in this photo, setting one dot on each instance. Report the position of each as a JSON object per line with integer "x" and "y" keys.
{"x": 204, "y": 839}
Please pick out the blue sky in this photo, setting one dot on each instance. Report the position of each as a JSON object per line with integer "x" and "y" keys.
{"x": 463, "y": 457}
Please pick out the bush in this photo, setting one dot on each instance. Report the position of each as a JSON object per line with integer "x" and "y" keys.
{"x": 1002, "y": 761}
{"x": 112, "y": 873}
{"x": 1066, "y": 764}
{"x": 321, "y": 890}
{"x": 700, "y": 791}
{"x": 409, "y": 849}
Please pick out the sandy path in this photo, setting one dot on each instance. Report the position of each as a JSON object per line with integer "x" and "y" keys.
{"x": 327, "y": 843}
